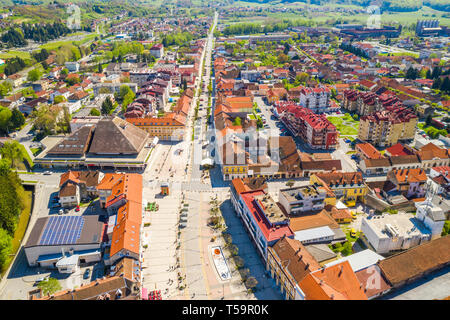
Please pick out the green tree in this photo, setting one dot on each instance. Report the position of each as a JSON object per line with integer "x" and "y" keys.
{"x": 5, "y": 117}
{"x": 5, "y": 247}
{"x": 5, "y": 88}
{"x": 12, "y": 151}
{"x": 107, "y": 106}
{"x": 237, "y": 121}
{"x": 49, "y": 286}
{"x": 34, "y": 75}
{"x": 94, "y": 112}
{"x": 59, "y": 99}
{"x": 17, "y": 118}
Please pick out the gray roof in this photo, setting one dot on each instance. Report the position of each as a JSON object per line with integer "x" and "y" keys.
{"x": 320, "y": 252}
{"x": 117, "y": 136}
{"x": 91, "y": 231}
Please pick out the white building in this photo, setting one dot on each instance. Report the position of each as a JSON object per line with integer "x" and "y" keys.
{"x": 316, "y": 99}
{"x": 432, "y": 217}
{"x": 64, "y": 242}
{"x": 72, "y": 66}
{"x": 391, "y": 232}
{"x": 302, "y": 199}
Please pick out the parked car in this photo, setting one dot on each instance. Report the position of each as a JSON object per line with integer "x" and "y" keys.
{"x": 61, "y": 211}
{"x": 353, "y": 232}
{"x": 47, "y": 173}
{"x": 348, "y": 141}
{"x": 77, "y": 209}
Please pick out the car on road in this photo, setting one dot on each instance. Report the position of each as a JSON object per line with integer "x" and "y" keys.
{"x": 47, "y": 173}
{"x": 86, "y": 274}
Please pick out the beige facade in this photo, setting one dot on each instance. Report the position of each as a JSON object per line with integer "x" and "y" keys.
{"x": 386, "y": 133}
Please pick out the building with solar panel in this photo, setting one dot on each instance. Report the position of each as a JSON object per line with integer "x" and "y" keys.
{"x": 65, "y": 242}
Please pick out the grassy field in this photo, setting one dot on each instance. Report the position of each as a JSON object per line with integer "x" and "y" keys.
{"x": 12, "y": 53}
{"x": 404, "y": 18}
{"x": 21, "y": 228}
{"x": 347, "y": 127}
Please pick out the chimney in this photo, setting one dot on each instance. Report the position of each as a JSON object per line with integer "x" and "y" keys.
{"x": 340, "y": 271}
{"x": 332, "y": 296}
{"x": 321, "y": 282}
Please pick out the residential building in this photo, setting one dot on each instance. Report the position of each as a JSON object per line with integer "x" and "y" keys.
{"x": 289, "y": 262}
{"x": 77, "y": 185}
{"x": 157, "y": 50}
{"x": 121, "y": 196}
{"x": 433, "y": 156}
{"x": 262, "y": 218}
{"x": 299, "y": 200}
{"x": 110, "y": 288}
{"x": 315, "y": 130}
{"x": 315, "y": 99}
{"x": 349, "y": 187}
{"x": 368, "y": 151}
{"x": 337, "y": 282}
{"x": 387, "y": 127}
{"x": 72, "y": 66}
{"x": 409, "y": 182}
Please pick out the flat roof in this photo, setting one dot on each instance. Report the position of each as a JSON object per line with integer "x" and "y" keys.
{"x": 313, "y": 233}
{"x": 65, "y": 230}
{"x": 401, "y": 223}
{"x": 271, "y": 208}
{"x": 359, "y": 260}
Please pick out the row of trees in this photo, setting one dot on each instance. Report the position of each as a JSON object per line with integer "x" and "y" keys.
{"x": 44, "y": 32}
{"x": 13, "y": 38}
{"x": 11, "y": 203}
{"x": 176, "y": 39}
{"x": 13, "y": 65}
{"x": 354, "y": 50}
{"x": 443, "y": 85}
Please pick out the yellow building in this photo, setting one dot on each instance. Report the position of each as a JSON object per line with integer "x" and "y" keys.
{"x": 387, "y": 127}
{"x": 170, "y": 127}
{"x": 348, "y": 187}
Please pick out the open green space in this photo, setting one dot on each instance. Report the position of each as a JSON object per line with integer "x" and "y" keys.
{"x": 347, "y": 127}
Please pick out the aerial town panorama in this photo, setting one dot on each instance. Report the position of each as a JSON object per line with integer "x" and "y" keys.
{"x": 250, "y": 150}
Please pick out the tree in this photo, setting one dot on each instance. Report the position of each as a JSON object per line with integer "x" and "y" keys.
{"x": 237, "y": 121}
{"x": 5, "y": 88}
{"x": 251, "y": 282}
{"x": 49, "y": 286}
{"x": 94, "y": 112}
{"x": 12, "y": 151}
{"x": 100, "y": 68}
{"x": 17, "y": 118}
{"x": 5, "y": 117}
{"x": 107, "y": 106}
{"x": 5, "y": 247}
{"x": 59, "y": 99}
{"x": 34, "y": 75}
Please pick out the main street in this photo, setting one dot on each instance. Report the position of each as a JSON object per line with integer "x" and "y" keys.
{"x": 177, "y": 259}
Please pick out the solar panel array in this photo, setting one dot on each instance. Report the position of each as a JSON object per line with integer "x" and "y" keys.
{"x": 62, "y": 230}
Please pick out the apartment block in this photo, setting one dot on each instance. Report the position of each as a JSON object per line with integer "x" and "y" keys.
{"x": 387, "y": 127}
